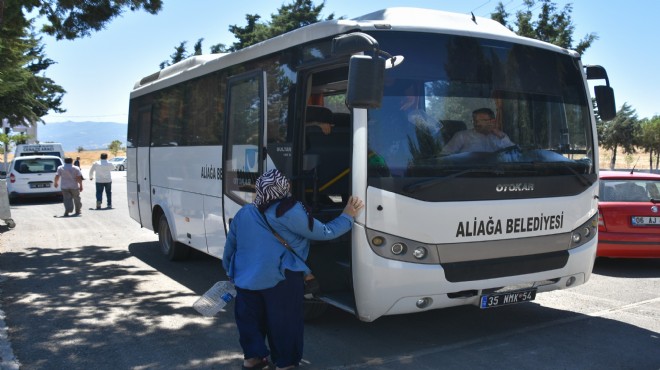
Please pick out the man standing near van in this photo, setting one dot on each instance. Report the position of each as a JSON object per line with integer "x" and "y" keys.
{"x": 71, "y": 186}
{"x": 103, "y": 170}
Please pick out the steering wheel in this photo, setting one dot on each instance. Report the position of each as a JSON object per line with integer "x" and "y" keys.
{"x": 508, "y": 149}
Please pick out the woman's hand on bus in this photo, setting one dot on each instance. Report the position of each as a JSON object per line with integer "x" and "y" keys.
{"x": 354, "y": 206}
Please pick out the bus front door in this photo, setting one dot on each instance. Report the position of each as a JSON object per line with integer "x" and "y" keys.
{"x": 243, "y": 149}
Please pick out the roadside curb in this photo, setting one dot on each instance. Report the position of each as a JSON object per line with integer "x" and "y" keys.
{"x": 7, "y": 359}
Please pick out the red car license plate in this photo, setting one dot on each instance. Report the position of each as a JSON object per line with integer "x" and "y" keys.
{"x": 645, "y": 221}
{"x": 503, "y": 299}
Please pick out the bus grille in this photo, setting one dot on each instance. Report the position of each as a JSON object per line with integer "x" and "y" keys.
{"x": 500, "y": 267}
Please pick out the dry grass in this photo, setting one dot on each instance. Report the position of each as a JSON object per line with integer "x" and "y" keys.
{"x": 639, "y": 160}
{"x": 87, "y": 157}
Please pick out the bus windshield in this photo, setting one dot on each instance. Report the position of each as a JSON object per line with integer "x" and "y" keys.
{"x": 463, "y": 107}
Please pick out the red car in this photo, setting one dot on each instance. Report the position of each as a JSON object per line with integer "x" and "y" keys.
{"x": 629, "y": 215}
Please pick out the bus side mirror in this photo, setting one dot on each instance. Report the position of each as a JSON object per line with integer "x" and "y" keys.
{"x": 605, "y": 102}
{"x": 365, "y": 72}
{"x": 365, "y": 81}
{"x": 604, "y": 94}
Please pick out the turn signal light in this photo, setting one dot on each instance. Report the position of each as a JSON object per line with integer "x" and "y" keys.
{"x": 601, "y": 222}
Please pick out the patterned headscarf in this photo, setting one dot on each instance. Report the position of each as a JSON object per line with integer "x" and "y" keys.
{"x": 271, "y": 186}
{"x": 274, "y": 187}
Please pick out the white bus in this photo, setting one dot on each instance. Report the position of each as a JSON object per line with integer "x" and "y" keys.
{"x": 438, "y": 230}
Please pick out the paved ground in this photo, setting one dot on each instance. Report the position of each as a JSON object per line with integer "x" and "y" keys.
{"x": 93, "y": 292}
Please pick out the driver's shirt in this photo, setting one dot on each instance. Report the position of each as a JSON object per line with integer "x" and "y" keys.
{"x": 472, "y": 141}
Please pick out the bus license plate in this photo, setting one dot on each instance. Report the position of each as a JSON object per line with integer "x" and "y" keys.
{"x": 645, "y": 221}
{"x": 503, "y": 299}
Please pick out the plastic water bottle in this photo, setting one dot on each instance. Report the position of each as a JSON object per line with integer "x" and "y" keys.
{"x": 216, "y": 298}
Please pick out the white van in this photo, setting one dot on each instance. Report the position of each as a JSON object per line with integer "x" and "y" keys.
{"x": 33, "y": 176}
{"x": 39, "y": 149}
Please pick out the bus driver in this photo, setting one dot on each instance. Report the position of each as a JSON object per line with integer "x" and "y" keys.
{"x": 483, "y": 137}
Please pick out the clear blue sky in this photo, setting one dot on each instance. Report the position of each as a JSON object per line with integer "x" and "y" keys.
{"x": 99, "y": 72}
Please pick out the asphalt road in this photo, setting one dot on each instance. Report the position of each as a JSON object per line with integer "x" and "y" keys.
{"x": 93, "y": 292}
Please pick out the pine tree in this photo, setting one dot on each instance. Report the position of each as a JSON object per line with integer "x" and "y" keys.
{"x": 26, "y": 94}
{"x": 289, "y": 17}
{"x": 552, "y": 25}
{"x": 623, "y": 131}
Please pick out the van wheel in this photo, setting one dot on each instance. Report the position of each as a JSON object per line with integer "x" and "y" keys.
{"x": 173, "y": 250}
{"x": 121, "y": 167}
{"x": 313, "y": 309}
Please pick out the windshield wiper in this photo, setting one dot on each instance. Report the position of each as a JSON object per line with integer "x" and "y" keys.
{"x": 580, "y": 176}
{"x": 565, "y": 165}
{"x": 425, "y": 184}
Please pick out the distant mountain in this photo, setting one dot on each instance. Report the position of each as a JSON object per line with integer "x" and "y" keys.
{"x": 89, "y": 135}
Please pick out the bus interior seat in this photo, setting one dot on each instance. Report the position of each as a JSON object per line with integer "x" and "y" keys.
{"x": 451, "y": 127}
{"x": 342, "y": 121}
{"x": 333, "y": 150}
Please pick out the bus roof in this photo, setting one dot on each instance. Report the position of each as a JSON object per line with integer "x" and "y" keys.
{"x": 396, "y": 19}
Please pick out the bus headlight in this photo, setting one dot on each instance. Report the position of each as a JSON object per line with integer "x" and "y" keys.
{"x": 584, "y": 232}
{"x": 398, "y": 248}
{"x": 420, "y": 253}
{"x": 576, "y": 237}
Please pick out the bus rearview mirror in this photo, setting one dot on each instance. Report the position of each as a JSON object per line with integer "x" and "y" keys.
{"x": 365, "y": 81}
{"x": 605, "y": 102}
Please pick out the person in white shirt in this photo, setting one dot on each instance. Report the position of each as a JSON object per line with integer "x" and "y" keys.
{"x": 103, "y": 170}
{"x": 484, "y": 137}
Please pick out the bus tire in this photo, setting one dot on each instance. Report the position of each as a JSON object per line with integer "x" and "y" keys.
{"x": 173, "y": 250}
{"x": 313, "y": 309}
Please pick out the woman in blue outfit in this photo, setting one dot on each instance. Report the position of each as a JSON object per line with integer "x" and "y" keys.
{"x": 269, "y": 277}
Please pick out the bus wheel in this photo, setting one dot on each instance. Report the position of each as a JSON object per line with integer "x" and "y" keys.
{"x": 313, "y": 309}
{"x": 173, "y": 250}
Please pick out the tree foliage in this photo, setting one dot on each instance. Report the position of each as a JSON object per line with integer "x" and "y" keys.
{"x": 71, "y": 19}
{"x": 114, "y": 147}
{"x": 26, "y": 94}
{"x": 649, "y": 139}
{"x": 298, "y": 13}
{"x": 289, "y": 17}
{"x": 623, "y": 131}
{"x": 551, "y": 25}
{"x": 180, "y": 53}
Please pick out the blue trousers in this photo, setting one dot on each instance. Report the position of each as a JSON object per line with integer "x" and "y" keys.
{"x": 275, "y": 315}
{"x": 100, "y": 186}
